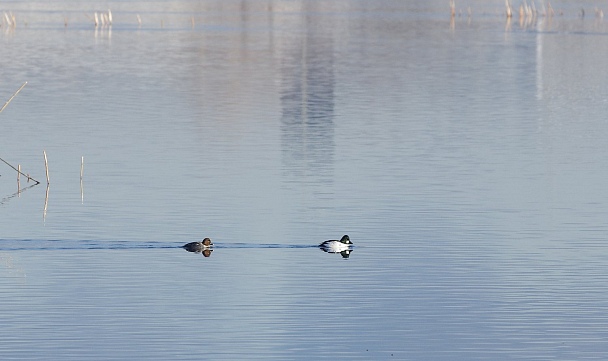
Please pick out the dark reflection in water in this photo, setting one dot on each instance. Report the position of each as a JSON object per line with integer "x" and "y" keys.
{"x": 66, "y": 244}
{"x": 204, "y": 252}
{"x": 18, "y": 193}
{"x": 345, "y": 254}
{"x": 307, "y": 99}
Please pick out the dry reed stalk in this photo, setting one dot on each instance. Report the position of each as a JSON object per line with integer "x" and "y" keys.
{"x": 550, "y": 11}
{"x": 46, "y": 166}
{"x": 509, "y": 9}
{"x": 11, "y": 98}
{"x": 10, "y": 19}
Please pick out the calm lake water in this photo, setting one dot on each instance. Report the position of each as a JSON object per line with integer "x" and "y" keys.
{"x": 466, "y": 159}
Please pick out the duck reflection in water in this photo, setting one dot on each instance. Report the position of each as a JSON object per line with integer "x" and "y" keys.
{"x": 343, "y": 246}
{"x": 203, "y": 247}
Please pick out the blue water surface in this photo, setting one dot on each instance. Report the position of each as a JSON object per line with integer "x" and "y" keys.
{"x": 465, "y": 157}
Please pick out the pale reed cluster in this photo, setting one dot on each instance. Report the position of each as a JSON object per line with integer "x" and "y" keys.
{"x": 8, "y": 20}
{"x": 528, "y": 9}
{"x": 102, "y": 18}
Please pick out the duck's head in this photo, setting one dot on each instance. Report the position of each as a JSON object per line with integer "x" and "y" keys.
{"x": 345, "y": 239}
{"x": 207, "y": 242}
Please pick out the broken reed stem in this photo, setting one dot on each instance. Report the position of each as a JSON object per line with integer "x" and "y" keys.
{"x": 46, "y": 166}
{"x": 11, "y": 98}
{"x": 19, "y": 171}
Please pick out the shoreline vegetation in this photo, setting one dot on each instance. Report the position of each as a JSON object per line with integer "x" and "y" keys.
{"x": 525, "y": 11}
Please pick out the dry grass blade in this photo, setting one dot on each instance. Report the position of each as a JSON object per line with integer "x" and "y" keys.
{"x": 11, "y": 98}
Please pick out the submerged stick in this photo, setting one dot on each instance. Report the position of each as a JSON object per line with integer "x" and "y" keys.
{"x": 11, "y": 98}
{"x": 46, "y": 166}
{"x": 20, "y": 172}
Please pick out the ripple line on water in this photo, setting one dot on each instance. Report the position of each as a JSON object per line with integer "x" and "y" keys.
{"x": 30, "y": 244}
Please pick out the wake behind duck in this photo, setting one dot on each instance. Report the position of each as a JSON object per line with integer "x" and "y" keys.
{"x": 342, "y": 246}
